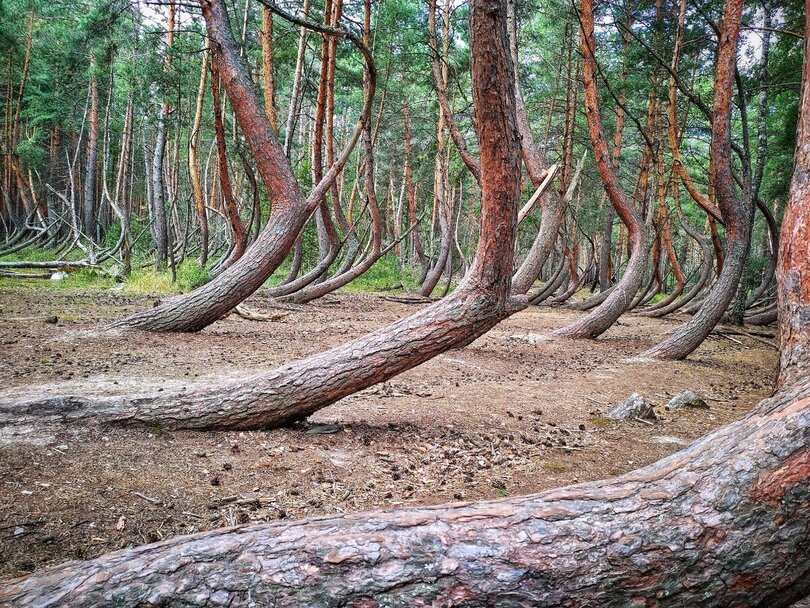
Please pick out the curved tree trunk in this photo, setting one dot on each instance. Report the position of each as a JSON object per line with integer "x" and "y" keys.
{"x": 735, "y": 212}
{"x": 703, "y": 276}
{"x": 444, "y": 202}
{"x": 552, "y": 208}
{"x": 207, "y": 304}
{"x": 763, "y": 318}
{"x": 602, "y": 318}
{"x": 313, "y": 292}
{"x": 721, "y": 523}
{"x": 298, "y": 389}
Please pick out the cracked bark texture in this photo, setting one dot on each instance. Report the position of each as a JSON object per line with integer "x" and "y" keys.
{"x": 300, "y": 388}
{"x": 725, "y": 522}
{"x": 793, "y": 267}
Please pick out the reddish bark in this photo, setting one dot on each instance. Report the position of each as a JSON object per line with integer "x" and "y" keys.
{"x": 793, "y": 268}
{"x": 267, "y": 69}
{"x": 735, "y": 211}
{"x": 239, "y": 243}
{"x": 721, "y": 523}
{"x": 603, "y": 317}
{"x": 290, "y": 210}
{"x": 440, "y": 73}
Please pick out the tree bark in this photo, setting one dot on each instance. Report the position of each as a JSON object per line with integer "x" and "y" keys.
{"x": 295, "y": 96}
{"x": 207, "y": 304}
{"x": 416, "y": 236}
{"x": 735, "y": 211}
{"x": 603, "y": 317}
{"x": 721, "y": 523}
{"x": 312, "y": 292}
{"x": 267, "y": 69}
{"x": 158, "y": 192}
{"x": 444, "y": 202}
{"x": 793, "y": 268}
{"x": 193, "y": 163}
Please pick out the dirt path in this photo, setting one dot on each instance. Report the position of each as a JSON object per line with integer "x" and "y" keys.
{"x": 510, "y": 414}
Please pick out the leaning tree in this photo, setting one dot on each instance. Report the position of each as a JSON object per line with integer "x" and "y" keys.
{"x": 300, "y": 388}
{"x": 602, "y": 318}
{"x": 725, "y": 522}
{"x": 290, "y": 208}
{"x": 735, "y": 208}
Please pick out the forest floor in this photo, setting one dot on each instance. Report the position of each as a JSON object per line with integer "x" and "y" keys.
{"x": 510, "y": 414}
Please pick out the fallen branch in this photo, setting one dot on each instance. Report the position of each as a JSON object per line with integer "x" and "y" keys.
{"x": 254, "y": 315}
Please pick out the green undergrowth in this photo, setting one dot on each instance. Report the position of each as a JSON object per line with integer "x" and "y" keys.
{"x": 388, "y": 274}
{"x": 188, "y": 276}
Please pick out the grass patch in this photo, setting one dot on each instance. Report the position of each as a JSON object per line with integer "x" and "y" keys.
{"x": 86, "y": 279}
{"x": 385, "y": 275}
{"x": 189, "y": 277}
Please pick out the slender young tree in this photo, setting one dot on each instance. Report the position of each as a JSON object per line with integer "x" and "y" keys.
{"x": 91, "y": 167}
{"x": 193, "y": 162}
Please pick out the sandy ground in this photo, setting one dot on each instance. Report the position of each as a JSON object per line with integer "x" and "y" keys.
{"x": 510, "y": 414}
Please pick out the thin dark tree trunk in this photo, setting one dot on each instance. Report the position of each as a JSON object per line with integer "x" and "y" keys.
{"x": 239, "y": 243}
{"x": 444, "y": 202}
{"x": 292, "y": 115}
{"x": 91, "y": 168}
{"x": 416, "y": 236}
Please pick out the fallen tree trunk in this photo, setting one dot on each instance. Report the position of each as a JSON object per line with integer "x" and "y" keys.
{"x": 722, "y": 523}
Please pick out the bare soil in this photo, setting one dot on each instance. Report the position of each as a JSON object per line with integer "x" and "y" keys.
{"x": 510, "y": 414}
